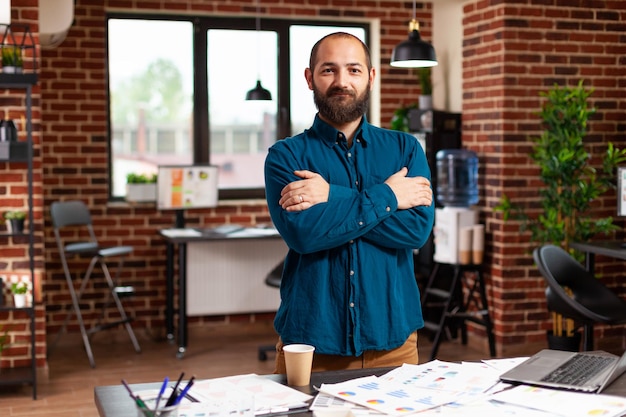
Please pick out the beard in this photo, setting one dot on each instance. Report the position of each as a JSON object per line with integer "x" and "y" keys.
{"x": 339, "y": 109}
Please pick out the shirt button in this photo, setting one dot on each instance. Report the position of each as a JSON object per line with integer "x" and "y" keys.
{"x": 349, "y": 154}
{"x": 360, "y": 223}
{"x": 356, "y": 183}
{"x": 351, "y": 241}
{"x": 351, "y": 305}
{"x": 388, "y": 208}
{"x": 351, "y": 273}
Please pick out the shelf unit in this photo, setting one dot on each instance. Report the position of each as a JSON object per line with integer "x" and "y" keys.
{"x": 17, "y": 153}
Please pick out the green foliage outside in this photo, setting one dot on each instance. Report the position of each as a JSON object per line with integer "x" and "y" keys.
{"x": 158, "y": 92}
{"x": 571, "y": 184}
{"x": 141, "y": 178}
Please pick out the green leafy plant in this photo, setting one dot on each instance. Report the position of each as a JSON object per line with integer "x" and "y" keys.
{"x": 571, "y": 184}
{"x": 400, "y": 119}
{"x": 4, "y": 338}
{"x": 19, "y": 288}
{"x": 424, "y": 76}
{"x": 14, "y": 215}
{"x": 11, "y": 56}
{"x": 141, "y": 178}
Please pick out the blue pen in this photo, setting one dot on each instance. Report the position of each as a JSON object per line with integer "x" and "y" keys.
{"x": 158, "y": 400}
{"x": 184, "y": 391}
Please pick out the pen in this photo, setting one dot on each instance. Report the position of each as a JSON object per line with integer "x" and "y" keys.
{"x": 184, "y": 391}
{"x": 158, "y": 400}
{"x": 129, "y": 390}
{"x": 170, "y": 401}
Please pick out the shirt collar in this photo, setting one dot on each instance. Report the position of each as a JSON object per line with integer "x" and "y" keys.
{"x": 329, "y": 134}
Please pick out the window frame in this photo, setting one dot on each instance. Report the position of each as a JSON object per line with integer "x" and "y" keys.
{"x": 201, "y": 116}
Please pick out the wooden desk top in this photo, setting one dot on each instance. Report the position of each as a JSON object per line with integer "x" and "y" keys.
{"x": 114, "y": 401}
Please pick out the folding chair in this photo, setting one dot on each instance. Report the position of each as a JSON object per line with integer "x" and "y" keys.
{"x": 75, "y": 215}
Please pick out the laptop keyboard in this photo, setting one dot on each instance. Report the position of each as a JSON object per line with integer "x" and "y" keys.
{"x": 578, "y": 370}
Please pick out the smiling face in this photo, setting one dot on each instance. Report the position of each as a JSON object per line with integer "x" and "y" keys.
{"x": 341, "y": 79}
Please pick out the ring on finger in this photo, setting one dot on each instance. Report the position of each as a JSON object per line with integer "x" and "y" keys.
{"x": 301, "y": 199}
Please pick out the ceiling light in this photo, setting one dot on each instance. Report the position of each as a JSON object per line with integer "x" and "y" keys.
{"x": 414, "y": 52}
{"x": 258, "y": 92}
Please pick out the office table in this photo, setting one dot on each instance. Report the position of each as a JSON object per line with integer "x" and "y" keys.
{"x": 613, "y": 249}
{"x": 114, "y": 401}
{"x": 180, "y": 238}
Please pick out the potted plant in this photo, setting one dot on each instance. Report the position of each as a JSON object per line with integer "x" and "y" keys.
{"x": 141, "y": 188}
{"x": 426, "y": 97}
{"x": 20, "y": 292}
{"x": 14, "y": 220}
{"x": 4, "y": 338}
{"x": 11, "y": 59}
{"x": 571, "y": 183}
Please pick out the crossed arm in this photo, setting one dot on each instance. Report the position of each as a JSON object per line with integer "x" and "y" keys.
{"x": 313, "y": 189}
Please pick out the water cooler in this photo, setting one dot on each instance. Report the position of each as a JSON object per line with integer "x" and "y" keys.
{"x": 456, "y": 227}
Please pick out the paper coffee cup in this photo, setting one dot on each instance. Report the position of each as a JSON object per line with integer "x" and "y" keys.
{"x": 478, "y": 244}
{"x": 465, "y": 245}
{"x": 298, "y": 362}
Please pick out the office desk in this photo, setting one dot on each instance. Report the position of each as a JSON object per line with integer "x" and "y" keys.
{"x": 181, "y": 239}
{"x": 114, "y": 401}
{"x": 614, "y": 249}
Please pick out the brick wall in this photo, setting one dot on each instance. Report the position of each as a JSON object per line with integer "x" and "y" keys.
{"x": 512, "y": 50}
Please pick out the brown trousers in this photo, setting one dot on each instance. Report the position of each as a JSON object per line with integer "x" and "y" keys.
{"x": 407, "y": 353}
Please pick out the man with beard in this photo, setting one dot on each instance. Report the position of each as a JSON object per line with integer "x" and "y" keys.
{"x": 351, "y": 201}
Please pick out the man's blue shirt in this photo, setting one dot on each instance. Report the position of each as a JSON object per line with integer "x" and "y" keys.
{"x": 348, "y": 284}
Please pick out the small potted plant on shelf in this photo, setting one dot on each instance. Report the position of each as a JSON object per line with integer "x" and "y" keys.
{"x": 141, "y": 188}
{"x": 12, "y": 59}
{"x": 426, "y": 96}
{"x": 20, "y": 292}
{"x": 14, "y": 220}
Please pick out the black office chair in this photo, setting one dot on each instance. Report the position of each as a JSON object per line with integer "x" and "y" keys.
{"x": 75, "y": 215}
{"x": 272, "y": 279}
{"x": 591, "y": 301}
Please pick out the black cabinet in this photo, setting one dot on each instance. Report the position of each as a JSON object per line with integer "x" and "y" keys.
{"x": 22, "y": 152}
{"x": 436, "y": 130}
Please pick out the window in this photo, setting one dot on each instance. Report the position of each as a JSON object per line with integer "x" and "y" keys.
{"x": 160, "y": 113}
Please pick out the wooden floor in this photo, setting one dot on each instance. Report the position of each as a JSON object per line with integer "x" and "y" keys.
{"x": 214, "y": 351}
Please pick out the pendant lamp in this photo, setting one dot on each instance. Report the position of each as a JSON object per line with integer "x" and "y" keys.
{"x": 258, "y": 92}
{"x": 414, "y": 52}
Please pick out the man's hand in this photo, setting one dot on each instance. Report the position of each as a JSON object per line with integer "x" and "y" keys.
{"x": 302, "y": 194}
{"x": 410, "y": 191}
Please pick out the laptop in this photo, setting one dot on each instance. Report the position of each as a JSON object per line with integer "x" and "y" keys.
{"x": 579, "y": 371}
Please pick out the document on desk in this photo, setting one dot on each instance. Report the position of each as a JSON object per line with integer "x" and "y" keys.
{"x": 270, "y": 397}
{"x": 181, "y": 233}
{"x": 564, "y": 403}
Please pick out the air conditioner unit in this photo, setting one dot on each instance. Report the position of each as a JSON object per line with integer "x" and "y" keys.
{"x": 55, "y": 20}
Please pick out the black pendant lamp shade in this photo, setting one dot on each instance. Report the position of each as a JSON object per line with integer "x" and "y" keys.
{"x": 258, "y": 93}
{"x": 414, "y": 52}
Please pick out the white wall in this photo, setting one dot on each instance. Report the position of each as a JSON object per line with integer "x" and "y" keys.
{"x": 448, "y": 42}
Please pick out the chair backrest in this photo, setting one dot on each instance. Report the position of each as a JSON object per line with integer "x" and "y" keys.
{"x": 591, "y": 300}
{"x": 275, "y": 276}
{"x": 73, "y": 214}
{"x": 69, "y": 213}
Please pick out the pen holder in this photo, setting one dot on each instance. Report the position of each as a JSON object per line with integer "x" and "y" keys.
{"x": 162, "y": 411}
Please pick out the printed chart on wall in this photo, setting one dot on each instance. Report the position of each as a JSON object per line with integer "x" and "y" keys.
{"x": 181, "y": 187}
